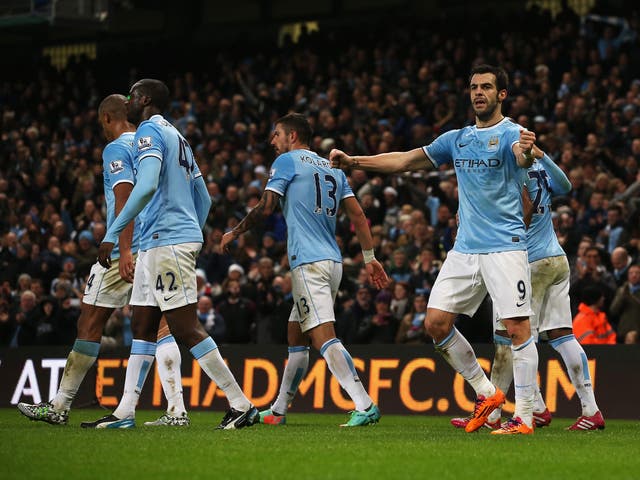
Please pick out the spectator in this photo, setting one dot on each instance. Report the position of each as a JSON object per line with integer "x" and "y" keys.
{"x": 23, "y": 321}
{"x": 567, "y": 231}
{"x": 202, "y": 284}
{"x": 593, "y": 218}
{"x": 425, "y": 273}
{"x": 411, "y": 330}
{"x": 278, "y": 319}
{"x": 69, "y": 275}
{"x": 615, "y": 232}
{"x": 47, "y": 328}
{"x": 212, "y": 321}
{"x": 399, "y": 270}
{"x": 590, "y": 325}
{"x": 620, "y": 261}
{"x": 579, "y": 261}
{"x": 24, "y": 284}
{"x": 381, "y": 327}
{"x": 239, "y": 313}
{"x": 626, "y": 307}
{"x": 358, "y": 314}
{"x": 37, "y": 288}
{"x": 271, "y": 247}
{"x": 6, "y": 326}
{"x": 400, "y": 300}
{"x": 98, "y": 230}
{"x": 591, "y": 273}
{"x": 87, "y": 253}
{"x": 68, "y": 312}
{"x": 391, "y": 208}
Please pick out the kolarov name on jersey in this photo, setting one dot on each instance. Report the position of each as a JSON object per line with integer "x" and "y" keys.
{"x": 318, "y": 161}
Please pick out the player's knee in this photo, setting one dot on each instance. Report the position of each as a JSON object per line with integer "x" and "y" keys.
{"x": 144, "y": 331}
{"x": 90, "y": 334}
{"x": 437, "y": 328}
{"x": 519, "y": 331}
{"x": 90, "y": 328}
{"x": 558, "y": 332}
{"x": 501, "y": 333}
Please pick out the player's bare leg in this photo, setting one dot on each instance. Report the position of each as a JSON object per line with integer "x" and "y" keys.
{"x": 168, "y": 363}
{"x": 184, "y": 324}
{"x": 525, "y": 370}
{"x": 457, "y": 351}
{"x": 575, "y": 360}
{"x": 81, "y": 358}
{"x": 294, "y": 371}
{"x": 340, "y": 363}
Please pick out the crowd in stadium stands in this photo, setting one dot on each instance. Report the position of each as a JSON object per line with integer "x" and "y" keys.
{"x": 574, "y": 81}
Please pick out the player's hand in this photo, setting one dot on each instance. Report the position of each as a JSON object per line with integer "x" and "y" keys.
{"x": 104, "y": 254}
{"x": 339, "y": 159}
{"x": 526, "y": 141}
{"x": 227, "y": 238}
{"x": 377, "y": 275}
{"x": 537, "y": 152}
{"x": 126, "y": 266}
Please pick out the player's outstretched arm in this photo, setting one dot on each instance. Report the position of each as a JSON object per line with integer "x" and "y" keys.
{"x": 265, "y": 206}
{"x": 560, "y": 184}
{"x": 391, "y": 162}
{"x": 374, "y": 268}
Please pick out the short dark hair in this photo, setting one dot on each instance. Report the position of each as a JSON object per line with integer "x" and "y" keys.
{"x": 593, "y": 249}
{"x": 157, "y": 90}
{"x": 615, "y": 207}
{"x": 591, "y": 295}
{"x": 114, "y": 105}
{"x": 298, "y": 123}
{"x": 502, "y": 78}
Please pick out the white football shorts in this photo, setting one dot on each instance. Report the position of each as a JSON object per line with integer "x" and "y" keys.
{"x": 465, "y": 279}
{"x": 106, "y": 288}
{"x": 165, "y": 277}
{"x": 315, "y": 286}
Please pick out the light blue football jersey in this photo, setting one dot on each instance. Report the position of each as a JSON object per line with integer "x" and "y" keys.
{"x": 311, "y": 192}
{"x": 117, "y": 166}
{"x": 170, "y": 217}
{"x": 489, "y": 186}
{"x": 542, "y": 241}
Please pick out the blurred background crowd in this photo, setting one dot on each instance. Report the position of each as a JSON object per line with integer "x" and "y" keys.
{"x": 574, "y": 80}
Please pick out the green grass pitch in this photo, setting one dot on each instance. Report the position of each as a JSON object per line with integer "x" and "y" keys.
{"x": 311, "y": 446}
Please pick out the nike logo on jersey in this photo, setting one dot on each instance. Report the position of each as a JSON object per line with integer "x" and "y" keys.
{"x": 519, "y": 304}
{"x": 166, "y": 299}
{"x": 462, "y": 145}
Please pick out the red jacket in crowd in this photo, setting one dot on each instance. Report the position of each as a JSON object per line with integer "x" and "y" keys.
{"x": 593, "y": 328}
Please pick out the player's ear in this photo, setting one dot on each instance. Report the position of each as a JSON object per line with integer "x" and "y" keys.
{"x": 502, "y": 94}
